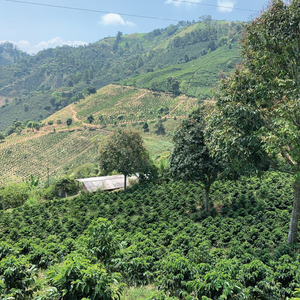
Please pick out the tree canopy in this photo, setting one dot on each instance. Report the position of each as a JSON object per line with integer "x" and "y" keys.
{"x": 190, "y": 159}
{"x": 257, "y": 117}
{"x": 125, "y": 153}
{"x": 69, "y": 121}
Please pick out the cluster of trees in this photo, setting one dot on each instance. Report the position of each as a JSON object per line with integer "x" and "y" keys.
{"x": 172, "y": 85}
{"x": 18, "y": 126}
{"x": 255, "y": 123}
{"x": 10, "y": 54}
{"x": 254, "y": 126}
{"x": 210, "y": 34}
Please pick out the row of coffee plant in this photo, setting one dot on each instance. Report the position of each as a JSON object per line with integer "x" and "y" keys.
{"x": 158, "y": 235}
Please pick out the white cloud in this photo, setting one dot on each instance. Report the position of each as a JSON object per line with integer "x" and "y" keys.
{"x": 32, "y": 49}
{"x": 226, "y": 5}
{"x": 179, "y": 2}
{"x": 114, "y": 19}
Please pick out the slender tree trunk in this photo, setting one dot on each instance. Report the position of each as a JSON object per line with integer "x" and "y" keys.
{"x": 125, "y": 176}
{"x": 207, "y": 188}
{"x": 293, "y": 231}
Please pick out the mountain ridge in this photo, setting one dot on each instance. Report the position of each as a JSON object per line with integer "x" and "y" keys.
{"x": 30, "y": 84}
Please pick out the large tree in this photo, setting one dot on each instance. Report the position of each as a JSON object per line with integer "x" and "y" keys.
{"x": 257, "y": 115}
{"x": 125, "y": 153}
{"x": 190, "y": 159}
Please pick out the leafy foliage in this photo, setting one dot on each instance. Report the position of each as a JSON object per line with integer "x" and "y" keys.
{"x": 78, "y": 279}
{"x": 13, "y": 195}
{"x": 10, "y": 54}
{"x": 124, "y": 152}
{"x": 190, "y": 159}
{"x": 256, "y": 111}
{"x": 17, "y": 278}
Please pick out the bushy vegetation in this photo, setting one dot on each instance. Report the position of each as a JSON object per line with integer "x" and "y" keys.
{"x": 161, "y": 235}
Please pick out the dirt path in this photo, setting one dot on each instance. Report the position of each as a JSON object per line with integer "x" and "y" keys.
{"x": 74, "y": 113}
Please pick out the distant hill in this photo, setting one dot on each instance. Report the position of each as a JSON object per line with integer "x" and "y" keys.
{"x": 60, "y": 148}
{"x": 10, "y": 54}
{"x": 197, "y": 53}
{"x": 125, "y": 104}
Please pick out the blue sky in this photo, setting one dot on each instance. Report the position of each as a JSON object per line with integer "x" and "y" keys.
{"x": 33, "y": 27}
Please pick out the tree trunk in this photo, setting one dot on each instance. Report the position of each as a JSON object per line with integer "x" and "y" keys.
{"x": 125, "y": 183}
{"x": 293, "y": 231}
{"x": 207, "y": 188}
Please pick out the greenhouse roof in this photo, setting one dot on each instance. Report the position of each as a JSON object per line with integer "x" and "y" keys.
{"x": 105, "y": 183}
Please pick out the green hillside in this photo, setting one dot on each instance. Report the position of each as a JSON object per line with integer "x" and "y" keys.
{"x": 60, "y": 148}
{"x": 124, "y": 104}
{"x": 39, "y": 85}
{"x": 9, "y": 54}
{"x": 197, "y": 77}
{"x": 236, "y": 251}
{"x": 32, "y": 153}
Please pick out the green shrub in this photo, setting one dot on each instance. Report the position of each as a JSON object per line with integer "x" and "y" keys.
{"x": 78, "y": 278}
{"x": 16, "y": 278}
{"x": 13, "y": 195}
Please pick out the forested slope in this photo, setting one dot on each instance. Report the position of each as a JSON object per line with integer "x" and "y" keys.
{"x": 31, "y": 83}
{"x": 237, "y": 250}
{"x": 9, "y": 54}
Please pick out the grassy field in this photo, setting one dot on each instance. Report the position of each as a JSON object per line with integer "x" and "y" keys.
{"x": 138, "y": 293}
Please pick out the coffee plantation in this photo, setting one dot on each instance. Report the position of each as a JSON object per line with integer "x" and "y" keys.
{"x": 93, "y": 245}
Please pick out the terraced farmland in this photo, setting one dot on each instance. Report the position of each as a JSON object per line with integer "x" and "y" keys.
{"x": 131, "y": 103}
{"x": 32, "y": 154}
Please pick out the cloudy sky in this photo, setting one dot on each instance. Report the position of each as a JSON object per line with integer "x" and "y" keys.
{"x": 36, "y": 27}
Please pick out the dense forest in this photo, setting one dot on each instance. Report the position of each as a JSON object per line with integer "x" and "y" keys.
{"x": 39, "y": 85}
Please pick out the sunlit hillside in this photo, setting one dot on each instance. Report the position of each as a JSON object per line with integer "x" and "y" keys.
{"x": 60, "y": 148}
{"x": 198, "y": 54}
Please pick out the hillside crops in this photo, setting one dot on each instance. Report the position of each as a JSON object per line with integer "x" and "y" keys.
{"x": 171, "y": 241}
{"x": 31, "y": 153}
{"x": 54, "y": 150}
{"x": 133, "y": 104}
{"x": 196, "y": 77}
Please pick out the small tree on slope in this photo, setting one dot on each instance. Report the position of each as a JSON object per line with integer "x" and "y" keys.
{"x": 124, "y": 152}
